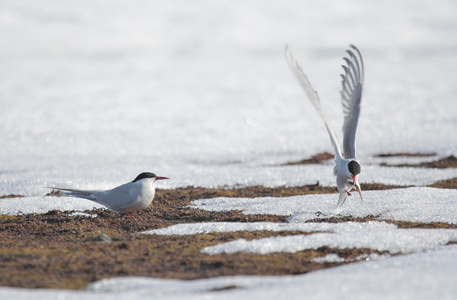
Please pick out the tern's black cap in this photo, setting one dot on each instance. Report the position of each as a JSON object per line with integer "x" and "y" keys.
{"x": 144, "y": 175}
{"x": 354, "y": 167}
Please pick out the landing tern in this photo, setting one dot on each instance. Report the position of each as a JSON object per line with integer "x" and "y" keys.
{"x": 126, "y": 198}
{"x": 347, "y": 166}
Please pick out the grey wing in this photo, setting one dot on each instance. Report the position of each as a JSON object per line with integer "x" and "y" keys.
{"x": 86, "y": 194}
{"x": 351, "y": 96}
{"x": 314, "y": 98}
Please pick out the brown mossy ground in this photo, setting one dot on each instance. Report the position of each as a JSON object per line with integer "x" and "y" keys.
{"x": 316, "y": 159}
{"x": 406, "y": 154}
{"x": 445, "y": 184}
{"x": 64, "y": 250}
{"x": 61, "y": 250}
{"x": 447, "y": 162}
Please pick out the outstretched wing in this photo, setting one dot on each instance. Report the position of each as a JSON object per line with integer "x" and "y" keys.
{"x": 314, "y": 98}
{"x": 351, "y": 97}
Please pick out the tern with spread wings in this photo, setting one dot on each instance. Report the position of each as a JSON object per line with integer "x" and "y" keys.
{"x": 347, "y": 167}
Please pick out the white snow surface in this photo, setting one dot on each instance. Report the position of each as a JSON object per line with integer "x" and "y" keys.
{"x": 370, "y": 235}
{"x": 416, "y": 204}
{"x": 93, "y": 92}
{"x": 202, "y": 93}
{"x": 394, "y": 241}
{"x": 42, "y": 204}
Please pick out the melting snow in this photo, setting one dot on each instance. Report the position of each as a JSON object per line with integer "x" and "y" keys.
{"x": 202, "y": 94}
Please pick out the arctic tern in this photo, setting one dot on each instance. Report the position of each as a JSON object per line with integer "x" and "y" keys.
{"x": 347, "y": 167}
{"x": 126, "y": 198}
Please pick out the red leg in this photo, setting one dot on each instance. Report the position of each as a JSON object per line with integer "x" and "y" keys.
{"x": 130, "y": 215}
{"x": 349, "y": 194}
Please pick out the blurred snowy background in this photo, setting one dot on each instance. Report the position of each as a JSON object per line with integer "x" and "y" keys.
{"x": 94, "y": 92}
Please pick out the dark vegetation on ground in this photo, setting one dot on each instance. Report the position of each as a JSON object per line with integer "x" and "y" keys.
{"x": 64, "y": 250}
{"x": 445, "y": 184}
{"x": 447, "y": 162}
{"x": 316, "y": 159}
{"x": 406, "y": 154}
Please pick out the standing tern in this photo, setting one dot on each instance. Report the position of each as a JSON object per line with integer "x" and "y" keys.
{"x": 126, "y": 198}
{"x": 347, "y": 167}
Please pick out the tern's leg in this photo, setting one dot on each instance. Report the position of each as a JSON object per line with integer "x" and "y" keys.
{"x": 130, "y": 215}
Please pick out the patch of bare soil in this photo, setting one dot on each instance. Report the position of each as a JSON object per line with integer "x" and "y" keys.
{"x": 447, "y": 162}
{"x": 10, "y": 196}
{"x": 379, "y": 186}
{"x": 406, "y": 154}
{"x": 63, "y": 250}
{"x": 325, "y": 156}
{"x": 316, "y": 159}
{"x": 445, "y": 184}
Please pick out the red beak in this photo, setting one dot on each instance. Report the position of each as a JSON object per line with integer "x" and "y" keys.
{"x": 161, "y": 178}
